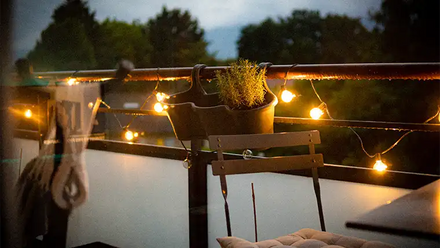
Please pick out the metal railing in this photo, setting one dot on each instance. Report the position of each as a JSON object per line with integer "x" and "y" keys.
{"x": 366, "y": 71}
{"x": 412, "y": 71}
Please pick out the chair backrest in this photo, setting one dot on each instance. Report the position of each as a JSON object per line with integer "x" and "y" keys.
{"x": 254, "y": 141}
{"x": 221, "y": 167}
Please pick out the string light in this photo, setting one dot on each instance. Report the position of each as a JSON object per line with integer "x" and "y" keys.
{"x": 129, "y": 135}
{"x": 379, "y": 165}
{"x": 71, "y": 81}
{"x": 160, "y": 96}
{"x": 158, "y": 107}
{"x": 286, "y": 96}
{"x": 28, "y": 113}
{"x": 316, "y": 113}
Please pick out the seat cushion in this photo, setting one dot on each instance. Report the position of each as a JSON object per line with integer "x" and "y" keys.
{"x": 304, "y": 238}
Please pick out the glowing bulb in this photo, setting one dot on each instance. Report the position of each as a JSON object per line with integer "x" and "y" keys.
{"x": 316, "y": 113}
{"x": 28, "y": 113}
{"x": 379, "y": 165}
{"x": 158, "y": 107}
{"x": 161, "y": 96}
{"x": 71, "y": 81}
{"x": 129, "y": 135}
{"x": 287, "y": 96}
{"x": 136, "y": 134}
{"x": 90, "y": 105}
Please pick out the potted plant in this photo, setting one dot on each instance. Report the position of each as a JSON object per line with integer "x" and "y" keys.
{"x": 246, "y": 105}
{"x": 243, "y": 105}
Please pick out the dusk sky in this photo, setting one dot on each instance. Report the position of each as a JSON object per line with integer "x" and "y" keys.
{"x": 221, "y": 19}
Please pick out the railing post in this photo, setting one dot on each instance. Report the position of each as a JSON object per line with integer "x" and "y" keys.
{"x": 198, "y": 198}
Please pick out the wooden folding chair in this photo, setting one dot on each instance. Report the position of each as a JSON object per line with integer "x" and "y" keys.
{"x": 223, "y": 167}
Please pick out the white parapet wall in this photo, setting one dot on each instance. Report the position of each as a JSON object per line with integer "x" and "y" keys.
{"x": 138, "y": 201}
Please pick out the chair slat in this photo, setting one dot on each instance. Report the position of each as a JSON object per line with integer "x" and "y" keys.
{"x": 275, "y": 164}
{"x": 252, "y": 141}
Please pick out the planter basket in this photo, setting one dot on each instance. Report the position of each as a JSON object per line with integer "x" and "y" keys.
{"x": 196, "y": 114}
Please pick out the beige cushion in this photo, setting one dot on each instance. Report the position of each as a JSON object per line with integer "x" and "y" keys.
{"x": 304, "y": 238}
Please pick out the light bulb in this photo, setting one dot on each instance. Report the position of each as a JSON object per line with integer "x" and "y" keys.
{"x": 136, "y": 134}
{"x": 71, "y": 81}
{"x": 287, "y": 96}
{"x": 161, "y": 96}
{"x": 28, "y": 113}
{"x": 379, "y": 165}
{"x": 316, "y": 113}
{"x": 129, "y": 135}
{"x": 90, "y": 105}
{"x": 158, "y": 107}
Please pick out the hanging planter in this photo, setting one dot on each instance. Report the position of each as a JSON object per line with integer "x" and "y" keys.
{"x": 247, "y": 104}
{"x": 181, "y": 108}
{"x": 244, "y": 105}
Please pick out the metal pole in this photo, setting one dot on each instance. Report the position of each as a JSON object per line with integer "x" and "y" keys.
{"x": 391, "y": 126}
{"x": 385, "y": 71}
{"x": 198, "y": 198}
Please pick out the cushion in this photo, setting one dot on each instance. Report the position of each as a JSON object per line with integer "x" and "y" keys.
{"x": 304, "y": 238}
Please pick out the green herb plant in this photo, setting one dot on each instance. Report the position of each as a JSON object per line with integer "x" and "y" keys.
{"x": 242, "y": 85}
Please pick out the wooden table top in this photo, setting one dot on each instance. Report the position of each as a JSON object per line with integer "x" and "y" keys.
{"x": 416, "y": 214}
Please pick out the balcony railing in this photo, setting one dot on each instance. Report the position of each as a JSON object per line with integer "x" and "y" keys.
{"x": 197, "y": 175}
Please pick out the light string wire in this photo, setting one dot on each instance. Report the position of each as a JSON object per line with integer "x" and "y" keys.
{"x": 154, "y": 92}
{"x": 148, "y": 98}
{"x": 287, "y": 73}
{"x": 359, "y": 137}
{"x": 141, "y": 108}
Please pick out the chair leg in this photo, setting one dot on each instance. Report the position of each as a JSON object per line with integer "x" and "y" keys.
{"x": 318, "y": 197}
{"x": 224, "y": 188}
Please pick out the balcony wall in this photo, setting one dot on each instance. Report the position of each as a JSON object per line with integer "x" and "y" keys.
{"x": 138, "y": 201}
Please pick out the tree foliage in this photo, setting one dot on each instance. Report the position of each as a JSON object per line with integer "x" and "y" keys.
{"x": 176, "y": 39}
{"x": 63, "y": 46}
{"x": 121, "y": 40}
{"x": 306, "y": 37}
{"x": 410, "y": 30}
{"x": 76, "y": 40}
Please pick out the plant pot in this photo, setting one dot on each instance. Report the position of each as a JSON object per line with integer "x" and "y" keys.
{"x": 181, "y": 108}
{"x": 196, "y": 114}
{"x": 222, "y": 120}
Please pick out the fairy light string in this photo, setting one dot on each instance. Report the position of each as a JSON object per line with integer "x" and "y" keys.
{"x": 286, "y": 95}
{"x": 380, "y": 166}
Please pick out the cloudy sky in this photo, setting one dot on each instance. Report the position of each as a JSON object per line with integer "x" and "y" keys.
{"x": 221, "y": 19}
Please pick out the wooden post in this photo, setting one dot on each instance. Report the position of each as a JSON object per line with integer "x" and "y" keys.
{"x": 198, "y": 198}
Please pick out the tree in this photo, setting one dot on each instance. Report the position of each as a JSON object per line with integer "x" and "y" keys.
{"x": 63, "y": 46}
{"x": 68, "y": 42}
{"x": 306, "y": 37}
{"x": 78, "y": 10}
{"x": 262, "y": 42}
{"x": 121, "y": 40}
{"x": 410, "y": 30}
{"x": 176, "y": 39}
{"x": 346, "y": 40}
